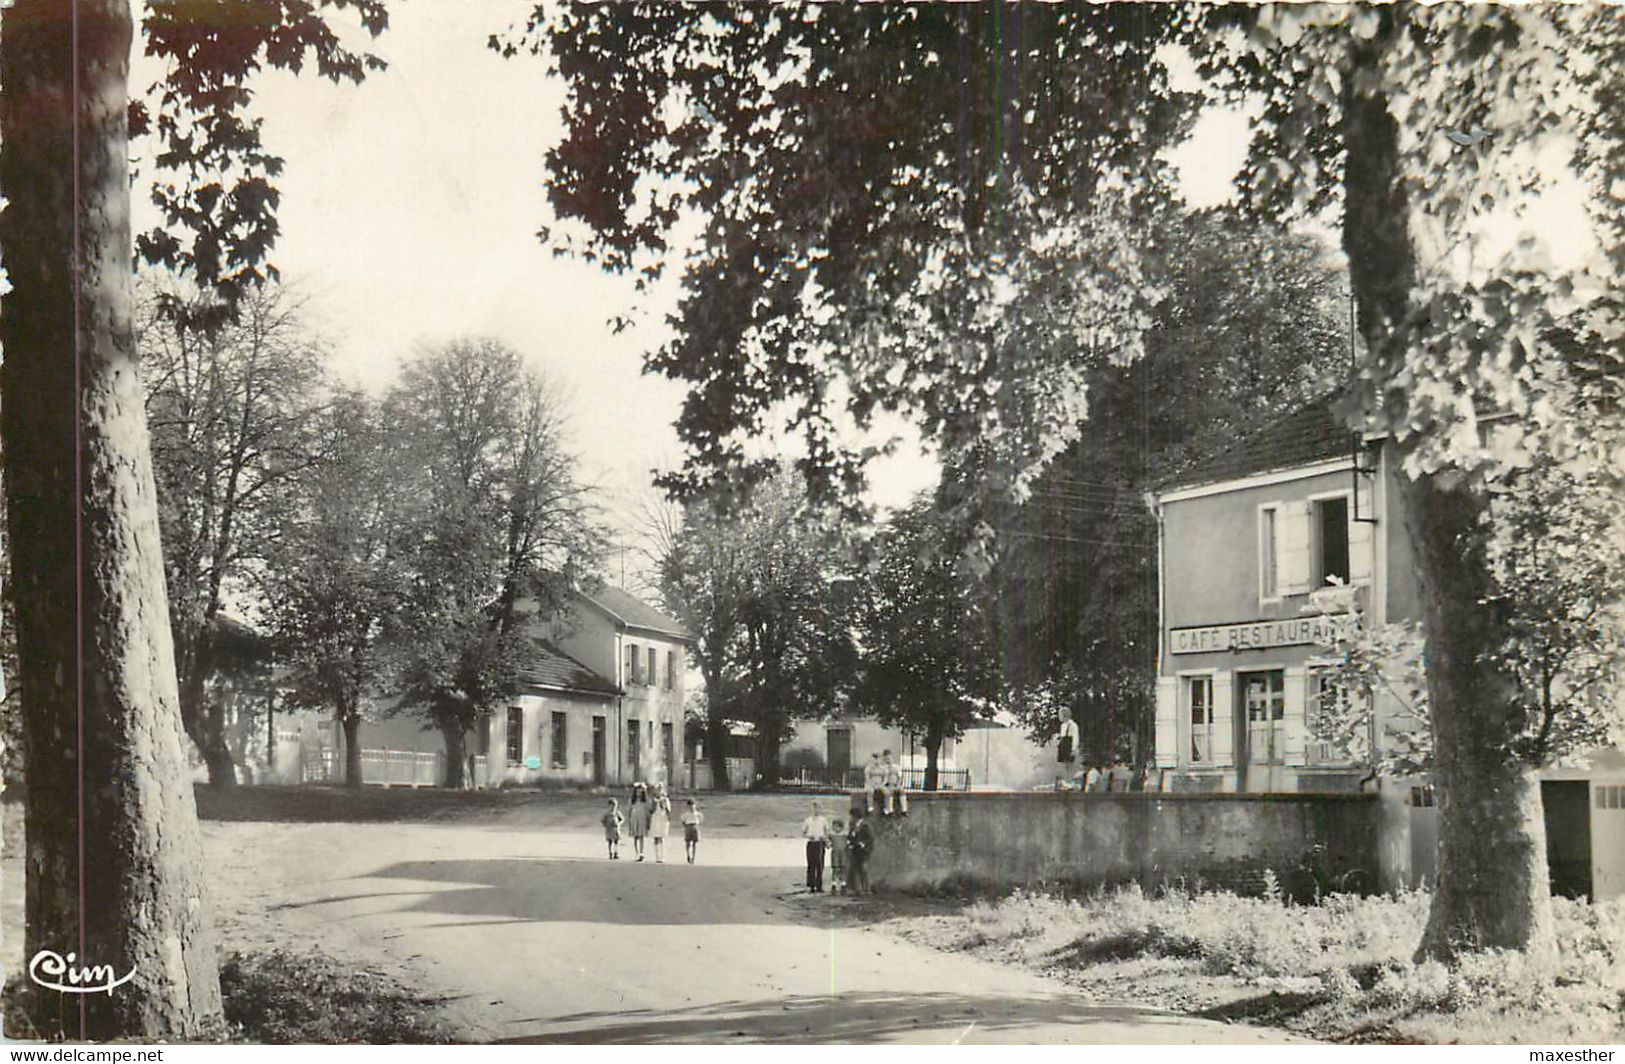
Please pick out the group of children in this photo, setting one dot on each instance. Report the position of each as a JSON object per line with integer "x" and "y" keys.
{"x": 651, "y": 818}
{"x": 848, "y": 849}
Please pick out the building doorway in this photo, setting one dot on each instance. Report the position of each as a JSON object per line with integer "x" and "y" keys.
{"x": 1567, "y": 808}
{"x": 600, "y": 754}
{"x": 838, "y": 745}
{"x": 1260, "y": 729}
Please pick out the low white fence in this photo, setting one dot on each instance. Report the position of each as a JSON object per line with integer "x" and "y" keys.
{"x": 384, "y": 768}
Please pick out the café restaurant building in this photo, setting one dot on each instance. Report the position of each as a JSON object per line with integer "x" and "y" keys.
{"x": 1264, "y": 550}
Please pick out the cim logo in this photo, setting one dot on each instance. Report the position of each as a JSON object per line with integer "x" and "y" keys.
{"x": 53, "y": 971}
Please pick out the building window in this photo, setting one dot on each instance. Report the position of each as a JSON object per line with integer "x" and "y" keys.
{"x": 1200, "y": 693}
{"x": 668, "y": 746}
{"x": 653, "y": 676}
{"x": 671, "y": 670}
{"x": 1331, "y": 540}
{"x": 516, "y": 735}
{"x": 1268, "y": 553}
{"x": 633, "y": 734}
{"x": 1329, "y": 707}
{"x": 559, "y": 747}
{"x": 1264, "y": 696}
{"x": 631, "y": 677}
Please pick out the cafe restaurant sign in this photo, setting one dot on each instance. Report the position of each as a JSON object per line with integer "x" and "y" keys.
{"x": 1259, "y": 635}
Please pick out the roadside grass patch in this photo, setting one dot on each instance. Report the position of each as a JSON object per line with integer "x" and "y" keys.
{"x": 1338, "y": 969}
{"x": 275, "y": 998}
{"x": 281, "y": 997}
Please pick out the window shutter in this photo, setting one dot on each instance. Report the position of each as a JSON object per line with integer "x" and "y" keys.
{"x": 1167, "y": 737}
{"x": 1224, "y": 724}
{"x": 1292, "y": 563}
{"x": 1360, "y": 538}
{"x": 1295, "y": 725}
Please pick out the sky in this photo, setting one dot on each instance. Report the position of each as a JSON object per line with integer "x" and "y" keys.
{"x": 410, "y": 206}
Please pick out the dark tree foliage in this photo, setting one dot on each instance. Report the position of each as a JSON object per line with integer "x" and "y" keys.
{"x": 873, "y": 182}
{"x": 1252, "y": 322}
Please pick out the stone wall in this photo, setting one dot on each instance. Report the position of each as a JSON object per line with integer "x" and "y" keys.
{"x": 1085, "y": 840}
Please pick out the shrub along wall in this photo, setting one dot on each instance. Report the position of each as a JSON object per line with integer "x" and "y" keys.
{"x": 1310, "y": 842}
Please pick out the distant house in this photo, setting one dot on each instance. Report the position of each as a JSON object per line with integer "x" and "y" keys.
{"x": 835, "y": 749}
{"x": 1262, "y": 547}
{"x": 600, "y": 702}
{"x": 603, "y": 696}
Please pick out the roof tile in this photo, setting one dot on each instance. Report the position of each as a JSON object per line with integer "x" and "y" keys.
{"x": 548, "y": 666}
{"x": 1312, "y": 433}
{"x": 636, "y": 613}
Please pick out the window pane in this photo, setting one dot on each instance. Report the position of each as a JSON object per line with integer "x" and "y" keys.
{"x": 1334, "y": 539}
{"x": 560, "y": 745}
{"x": 516, "y": 734}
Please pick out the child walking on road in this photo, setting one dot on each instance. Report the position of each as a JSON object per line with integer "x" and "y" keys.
{"x": 692, "y": 819}
{"x": 612, "y": 828}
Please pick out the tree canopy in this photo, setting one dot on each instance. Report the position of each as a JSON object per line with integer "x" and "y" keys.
{"x": 876, "y": 184}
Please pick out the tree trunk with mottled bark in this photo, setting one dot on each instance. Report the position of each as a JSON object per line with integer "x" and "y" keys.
{"x": 351, "y": 722}
{"x": 456, "y": 743}
{"x": 933, "y": 757}
{"x": 1492, "y": 888}
{"x": 716, "y": 745}
{"x": 204, "y": 722}
{"x": 114, "y": 869}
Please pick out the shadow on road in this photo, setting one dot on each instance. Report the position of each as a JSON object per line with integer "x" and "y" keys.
{"x": 850, "y": 1017}
{"x": 543, "y": 889}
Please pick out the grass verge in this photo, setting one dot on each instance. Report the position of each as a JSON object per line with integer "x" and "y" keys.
{"x": 1337, "y": 970}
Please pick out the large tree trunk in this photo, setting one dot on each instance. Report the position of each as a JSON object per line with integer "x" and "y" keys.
{"x": 1493, "y": 888}
{"x": 203, "y": 719}
{"x": 456, "y": 743}
{"x": 716, "y": 746}
{"x": 114, "y": 865}
{"x": 351, "y": 722}
{"x": 933, "y": 755}
{"x": 768, "y": 744}
{"x": 1492, "y": 882}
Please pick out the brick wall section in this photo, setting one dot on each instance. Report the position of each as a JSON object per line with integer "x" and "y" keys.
{"x": 1081, "y": 841}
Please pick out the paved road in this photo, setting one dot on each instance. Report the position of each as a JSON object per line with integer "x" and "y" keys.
{"x": 536, "y": 937}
